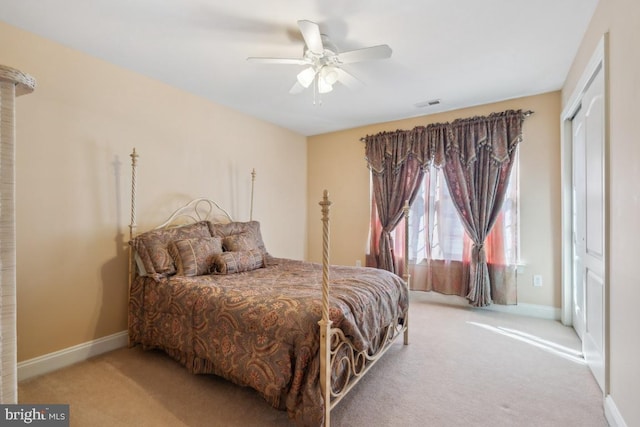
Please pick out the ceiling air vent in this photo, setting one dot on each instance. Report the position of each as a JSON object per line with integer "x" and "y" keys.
{"x": 429, "y": 103}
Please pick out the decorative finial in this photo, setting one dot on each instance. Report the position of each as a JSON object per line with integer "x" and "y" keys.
{"x": 134, "y": 157}
{"x": 325, "y": 203}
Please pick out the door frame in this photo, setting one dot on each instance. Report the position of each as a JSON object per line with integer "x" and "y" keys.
{"x": 599, "y": 62}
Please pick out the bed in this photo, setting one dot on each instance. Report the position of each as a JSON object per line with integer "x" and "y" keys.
{"x": 204, "y": 289}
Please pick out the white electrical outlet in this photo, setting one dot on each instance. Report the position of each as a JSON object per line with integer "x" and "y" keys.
{"x": 537, "y": 280}
{"x": 358, "y": 263}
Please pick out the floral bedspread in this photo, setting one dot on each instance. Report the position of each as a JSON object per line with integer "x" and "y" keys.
{"x": 260, "y": 328}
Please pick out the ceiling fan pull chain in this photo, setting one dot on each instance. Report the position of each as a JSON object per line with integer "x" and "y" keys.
{"x": 316, "y": 95}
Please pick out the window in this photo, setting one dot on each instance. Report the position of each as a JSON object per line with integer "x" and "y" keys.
{"x": 436, "y": 232}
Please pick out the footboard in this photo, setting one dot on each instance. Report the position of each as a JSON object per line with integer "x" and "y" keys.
{"x": 337, "y": 352}
{"x": 344, "y": 357}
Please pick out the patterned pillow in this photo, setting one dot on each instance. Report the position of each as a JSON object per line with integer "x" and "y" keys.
{"x": 194, "y": 257}
{"x": 252, "y": 227}
{"x": 237, "y": 262}
{"x": 240, "y": 242}
{"x": 152, "y": 246}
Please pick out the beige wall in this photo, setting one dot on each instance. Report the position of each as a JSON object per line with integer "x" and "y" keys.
{"x": 73, "y": 201}
{"x": 336, "y": 162}
{"x": 621, "y": 18}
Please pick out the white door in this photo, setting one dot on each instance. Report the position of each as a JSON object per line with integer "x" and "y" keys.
{"x": 578, "y": 222}
{"x": 589, "y": 208}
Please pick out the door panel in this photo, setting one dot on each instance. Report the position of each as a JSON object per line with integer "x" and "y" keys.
{"x": 593, "y": 341}
{"x": 589, "y": 237}
{"x": 594, "y": 326}
{"x": 579, "y": 185}
{"x": 594, "y": 135}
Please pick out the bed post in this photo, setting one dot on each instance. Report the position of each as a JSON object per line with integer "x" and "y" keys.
{"x": 132, "y": 225}
{"x": 253, "y": 180}
{"x": 325, "y": 323}
{"x": 406, "y": 276}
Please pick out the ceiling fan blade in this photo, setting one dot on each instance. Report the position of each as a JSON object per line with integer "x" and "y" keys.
{"x": 348, "y": 79}
{"x": 292, "y": 61}
{"x": 311, "y": 34}
{"x": 365, "y": 54}
{"x": 296, "y": 89}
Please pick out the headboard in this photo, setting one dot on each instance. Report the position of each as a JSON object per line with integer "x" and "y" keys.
{"x": 197, "y": 210}
{"x": 188, "y": 220}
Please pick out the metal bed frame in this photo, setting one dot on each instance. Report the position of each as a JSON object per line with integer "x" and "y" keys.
{"x": 335, "y": 348}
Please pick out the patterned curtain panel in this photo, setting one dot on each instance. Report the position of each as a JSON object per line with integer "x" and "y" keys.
{"x": 397, "y": 161}
{"x": 478, "y": 157}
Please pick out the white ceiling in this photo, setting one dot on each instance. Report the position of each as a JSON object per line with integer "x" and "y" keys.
{"x": 463, "y": 52}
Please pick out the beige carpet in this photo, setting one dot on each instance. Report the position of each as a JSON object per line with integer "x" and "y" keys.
{"x": 463, "y": 367}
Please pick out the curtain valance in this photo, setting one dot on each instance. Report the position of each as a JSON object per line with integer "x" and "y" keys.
{"x": 390, "y": 150}
{"x": 499, "y": 133}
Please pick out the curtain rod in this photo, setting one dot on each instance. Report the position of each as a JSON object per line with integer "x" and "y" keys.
{"x": 525, "y": 113}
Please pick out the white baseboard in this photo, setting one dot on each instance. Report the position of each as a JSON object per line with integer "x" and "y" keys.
{"x": 611, "y": 413}
{"x": 532, "y": 310}
{"x": 68, "y": 356}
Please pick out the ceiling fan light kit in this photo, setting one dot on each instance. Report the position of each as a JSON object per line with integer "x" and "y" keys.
{"x": 324, "y": 86}
{"x": 306, "y": 76}
{"x": 324, "y": 61}
{"x": 328, "y": 74}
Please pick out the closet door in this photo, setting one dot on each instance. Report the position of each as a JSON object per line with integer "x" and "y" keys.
{"x": 589, "y": 211}
{"x": 579, "y": 185}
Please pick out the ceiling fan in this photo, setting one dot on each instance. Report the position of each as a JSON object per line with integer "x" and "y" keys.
{"x": 324, "y": 61}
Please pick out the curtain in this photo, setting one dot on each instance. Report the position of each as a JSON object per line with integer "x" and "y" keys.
{"x": 440, "y": 249}
{"x": 396, "y": 242}
{"x": 478, "y": 158}
{"x": 456, "y": 176}
{"x": 396, "y": 161}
